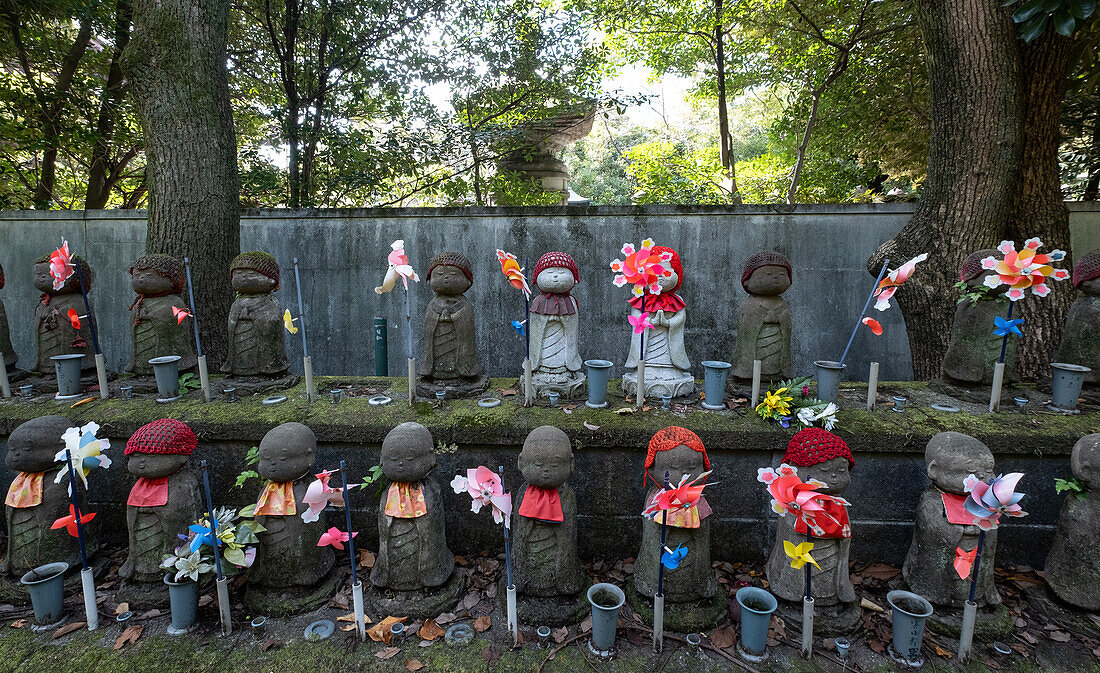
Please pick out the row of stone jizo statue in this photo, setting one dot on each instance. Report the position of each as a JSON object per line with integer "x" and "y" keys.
{"x": 291, "y": 564}
{"x": 450, "y": 360}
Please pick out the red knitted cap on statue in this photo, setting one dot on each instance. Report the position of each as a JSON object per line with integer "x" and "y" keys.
{"x": 167, "y": 436}
{"x": 972, "y": 266}
{"x": 676, "y": 266}
{"x": 814, "y": 445}
{"x": 553, "y": 259}
{"x": 1087, "y": 268}
{"x": 765, "y": 258}
{"x": 672, "y": 437}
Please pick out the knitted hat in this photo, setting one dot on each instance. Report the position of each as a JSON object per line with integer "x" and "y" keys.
{"x": 814, "y": 445}
{"x": 85, "y": 271}
{"x": 1087, "y": 268}
{"x": 166, "y": 436}
{"x": 261, "y": 262}
{"x": 451, "y": 259}
{"x": 672, "y": 437}
{"x": 676, "y": 266}
{"x": 972, "y": 266}
{"x": 765, "y": 258}
{"x": 553, "y": 259}
{"x": 166, "y": 265}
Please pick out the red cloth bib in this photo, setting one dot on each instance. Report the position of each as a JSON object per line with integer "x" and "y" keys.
{"x": 543, "y": 504}
{"x": 669, "y": 302}
{"x": 832, "y": 523}
{"x": 406, "y": 501}
{"x": 551, "y": 303}
{"x": 277, "y": 499}
{"x": 955, "y": 511}
{"x": 149, "y": 493}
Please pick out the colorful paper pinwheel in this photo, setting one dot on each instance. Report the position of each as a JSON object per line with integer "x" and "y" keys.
{"x": 640, "y": 323}
{"x": 74, "y": 318}
{"x": 61, "y": 265}
{"x": 288, "y": 322}
{"x": 682, "y": 496}
{"x": 334, "y": 537}
{"x": 180, "y": 314}
{"x": 800, "y": 554}
{"x": 86, "y": 450}
{"x": 320, "y": 495}
{"x": 1024, "y": 269}
{"x": 1004, "y": 327}
{"x": 642, "y": 268}
{"x": 203, "y": 536}
{"x": 399, "y": 266}
{"x": 792, "y": 495}
{"x": 889, "y": 285}
{"x": 69, "y": 522}
{"x": 520, "y": 326}
{"x": 964, "y": 561}
{"x": 671, "y": 558}
{"x": 987, "y": 501}
{"x": 510, "y": 267}
{"x": 876, "y": 326}
{"x": 485, "y": 488}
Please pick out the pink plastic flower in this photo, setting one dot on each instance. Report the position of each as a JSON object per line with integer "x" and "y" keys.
{"x": 510, "y": 267}
{"x": 889, "y": 285}
{"x": 61, "y": 265}
{"x": 484, "y": 487}
{"x": 399, "y": 266}
{"x": 642, "y": 268}
{"x": 987, "y": 501}
{"x": 1024, "y": 269}
{"x": 334, "y": 537}
{"x": 640, "y": 323}
{"x": 320, "y": 495}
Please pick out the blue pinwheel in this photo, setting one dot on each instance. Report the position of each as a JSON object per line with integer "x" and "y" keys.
{"x": 671, "y": 558}
{"x": 520, "y": 327}
{"x": 203, "y": 536}
{"x": 1005, "y": 327}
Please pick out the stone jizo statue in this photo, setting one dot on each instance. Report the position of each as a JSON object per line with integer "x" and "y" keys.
{"x": 449, "y": 362}
{"x": 554, "y": 326}
{"x": 1080, "y": 345}
{"x": 54, "y": 329}
{"x": 158, "y": 281}
{"x": 667, "y": 368}
{"x": 974, "y": 348}
{"x": 256, "y": 346}
{"x": 1072, "y": 567}
{"x": 764, "y": 319}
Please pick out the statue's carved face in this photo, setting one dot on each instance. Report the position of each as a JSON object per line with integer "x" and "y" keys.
{"x": 768, "y": 281}
{"x": 449, "y": 280}
{"x": 155, "y": 465}
{"x": 282, "y": 460}
{"x": 833, "y": 472}
{"x": 669, "y": 283}
{"x": 250, "y": 281}
{"x": 407, "y": 461}
{"x": 1091, "y": 287}
{"x": 950, "y": 462}
{"x": 1085, "y": 461}
{"x": 678, "y": 462}
{"x": 546, "y": 464}
{"x": 43, "y": 281}
{"x": 26, "y": 454}
{"x": 556, "y": 279}
{"x": 148, "y": 281}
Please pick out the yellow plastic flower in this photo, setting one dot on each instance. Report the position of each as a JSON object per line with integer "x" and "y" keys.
{"x": 775, "y": 404}
{"x": 288, "y": 322}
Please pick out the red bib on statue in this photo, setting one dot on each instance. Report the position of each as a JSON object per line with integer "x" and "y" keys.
{"x": 543, "y": 504}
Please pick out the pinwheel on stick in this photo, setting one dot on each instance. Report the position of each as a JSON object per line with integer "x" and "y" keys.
{"x": 399, "y": 267}
{"x": 642, "y": 269}
{"x": 517, "y": 278}
{"x": 63, "y": 264}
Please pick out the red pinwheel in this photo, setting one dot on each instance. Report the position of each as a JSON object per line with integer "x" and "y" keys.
{"x": 69, "y": 522}
{"x": 61, "y": 265}
{"x": 792, "y": 495}
{"x": 683, "y": 496}
{"x": 180, "y": 314}
{"x": 74, "y": 318}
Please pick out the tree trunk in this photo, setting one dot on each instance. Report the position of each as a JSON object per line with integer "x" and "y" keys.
{"x": 800, "y": 158}
{"x": 176, "y": 63}
{"x": 725, "y": 141}
{"x": 1092, "y": 186}
{"x": 100, "y": 173}
{"x": 975, "y": 144}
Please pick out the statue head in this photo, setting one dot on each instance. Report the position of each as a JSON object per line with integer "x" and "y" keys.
{"x": 157, "y": 274}
{"x": 952, "y": 456}
{"x": 286, "y": 452}
{"x": 766, "y": 274}
{"x": 972, "y": 273}
{"x": 819, "y": 454}
{"x": 546, "y": 460}
{"x": 33, "y": 445}
{"x": 679, "y": 452}
{"x": 254, "y": 273}
{"x": 1086, "y": 273}
{"x": 673, "y": 282}
{"x": 1085, "y": 460}
{"x": 160, "y": 448}
{"x": 408, "y": 453}
{"x": 556, "y": 273}
{"x": 43, "y": 281}
{"x": 449, "y": 274}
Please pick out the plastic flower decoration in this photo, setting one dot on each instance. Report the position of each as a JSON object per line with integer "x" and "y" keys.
{"x": 640, "y": 323}
{"x": 69, "y": 522}
{"x": 74, "y": 318}
{"x": 334, "y": 537}
{"x": 288, "y": 322}
{"x": 876, "y": 326}
{"x": 1024, "y": 269}
{"x": 775, "y": 404}
{"x": 61, "y": 265}
{"x": 808, "y": 416}
{"x": 641, "y": 268}
{"x": 190, "y": 566}
{"x": 800, "y": 554}
{"x": 964, "y": 561}
{"x": 485, "y": 488}
{"x": 1004, "y": 327}
{"x": 510, "y": 267}
{"x": 180, "y": 314}
{"x": 684, "y": 495}
{"x": 889, "y": 285}
{"x": 86, "y": 450}
{"x": 320, "y": 495}
{"x": 399, "y": 266}
{"x": 987, "y": 501}
{"x": 671, "y": 558}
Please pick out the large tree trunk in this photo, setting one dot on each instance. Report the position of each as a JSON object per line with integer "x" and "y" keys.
{"x": 974, "y": 152}
{"x": 725, "y": 140}
{"x": 176, "y": 62}
{"x": 101, "y": 178}
{"x": 1092, "y": 185}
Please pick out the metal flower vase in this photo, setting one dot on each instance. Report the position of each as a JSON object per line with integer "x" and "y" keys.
{"x": 828, "y": 379}
{"x": 606, "y": 599}
{"x": 183, "y": 598}
{"x": 166, "y": 369}
{"x": 910, "y": 612}
{"x": 598, "y": 373}
{"x": 757, "y": 606}
{"x": 1066, "y": 385}
{"x": 67, "y": 368}
{"x": 46, "y": 585}
{"x": 714, "y": 381}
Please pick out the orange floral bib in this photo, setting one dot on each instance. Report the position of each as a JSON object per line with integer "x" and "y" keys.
{"x": 25, "y": 491}
{"x": 406, "y": 501}
{"x": 277, "y": 499}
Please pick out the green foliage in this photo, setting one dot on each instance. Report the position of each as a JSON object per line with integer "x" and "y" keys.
{"x": 1035, "y": 15}
{"x": 977, "y": 293}
{"x": 187, "y": 382}
{"x": 510, "y": 188}
{"x": 1072, "y": 485}
{"x": 251, "y": 458}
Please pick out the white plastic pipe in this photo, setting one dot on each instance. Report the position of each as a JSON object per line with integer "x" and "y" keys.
{"x": 513, "y": 615}
{"x": 101, "y": 373}
{"x": 755, "y": 382}
{"x": 658, "y": 623}
{"x": 872, "y": 386}
{"x": 307, "y": 365}
{"x": 639, "y": 394}
{"x": 223, "y": 606}
{"x": 998, "y": 380}
{"x": 528, "y": 384}
{"x": 412, "y": 380}
{"x": 357, "y": 603}
{"x": 204, "y": 378}
{"x": 807, "y": 627}
{"x": 91, "y": 612}
{"x": 5, "y": 387}
{"x": 966, "y": 637}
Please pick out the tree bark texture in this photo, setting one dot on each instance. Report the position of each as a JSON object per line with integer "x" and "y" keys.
{"x": 176, "y": 63}
{"x": 102, "y": 176}
{"x": 725, "y": 140}
{"x": 975, "y": 146}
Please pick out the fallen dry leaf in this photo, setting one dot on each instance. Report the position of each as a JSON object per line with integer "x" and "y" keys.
{"x": 413, "y": 665}
{"x": 482, "y": 623}
{"x": 366, "y": 559}
{"x": 946, "y": 654}
{"x": 880, "y": 571}
{"x": 149, "y": 614}
{"x": 19, "y": 623}
{"x": 559, "y": 635}
{"x": 68, "y": 628}
{"x": 490, "y": 654}
{"x": 1030, "y": 637}
{"x": 723, "y": 637}
{"x": 270, "y": 644}
{"x": 122, "y": 607}
{"x": 129, "y": 636}
{"x": 205, "y": 600}
{"x": 380, "y": 632}
{"x": 430, "y": 631}
{"x": 460, "y": 560}
{"x": 445, "y": 618}
{"x": 387, "y": 652}
{"x": 590, "y": 426}
{"x": 586, "y": 625}
{"x": 624, "y": 411}
{"x": 1059, "y": 636}
{"x": 508, "y": 392}
{"x": 868, "y": 605}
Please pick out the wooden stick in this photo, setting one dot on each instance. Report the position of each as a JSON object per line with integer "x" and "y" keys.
{"x": 872, "y": 386}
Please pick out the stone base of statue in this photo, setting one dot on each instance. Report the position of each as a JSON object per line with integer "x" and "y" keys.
{"x": 15, "y": 374}
{"x": 976, "y": 393}
{"x": 286, "y": 601}
{"x": 570, "y": 385}
{"x": 994, "y": 622}
{"x": 548, "y": 610}
{"x": 660, "y": 381}
{"x": 419, "y": 604}
{"x": 452, "y": 388}
{"x": 838, "y": 619}
{"x": 688, "y": 617}
{"x": 253, "y": 385}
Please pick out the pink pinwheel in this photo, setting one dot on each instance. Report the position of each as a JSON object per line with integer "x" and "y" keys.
{"x": 792, "y": 495}
{"x": 987, "y": 501}
{"x": 334, "y": 537}
{"x": 320, "y": 495}
{"x": 485, "y": 488}
{"x": 640, "y": 323}
{"x": 399, "y": 266}
{"x": 180, "y": 314}
{"x": 686, "y": 494}
{"x": 1024, "y": 269}
{"x": 889, "y": 285}
{"x": 642, "y": 268}
{"x": 510, "y": 267}
{"x": 61, "y": 265}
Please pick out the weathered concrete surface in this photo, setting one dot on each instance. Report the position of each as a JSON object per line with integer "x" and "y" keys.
{"x": 342, "y": 256}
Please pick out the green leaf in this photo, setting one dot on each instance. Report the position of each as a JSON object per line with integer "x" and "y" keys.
{"x": 248, "y": 510}
{"x": 1027, "y": 10}
{"x": 1082, "y": 9}
{"x": 1034, "y": 28}
{"x": 235, "y": 556}
{"x": 1064, "y": 22}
